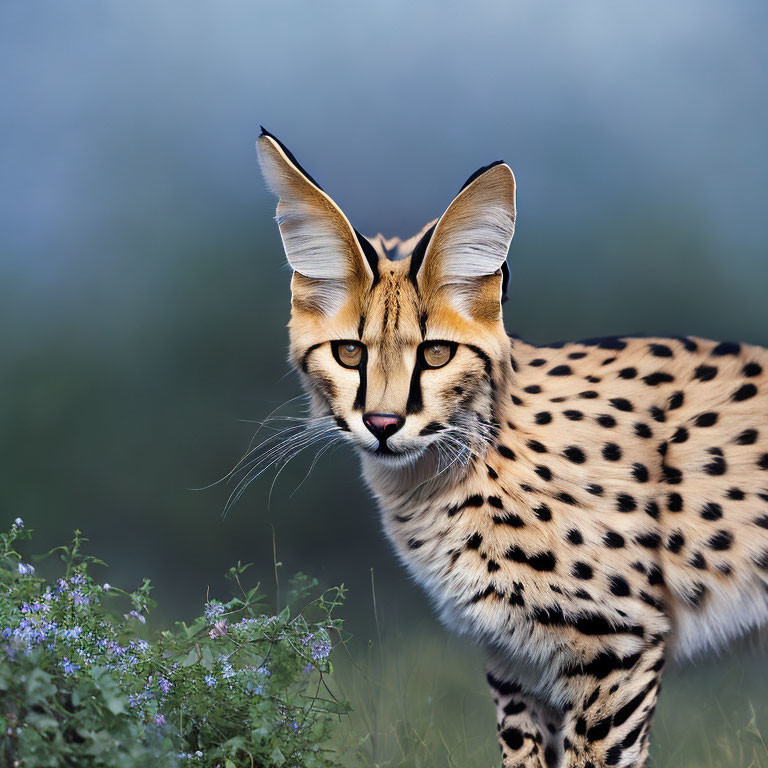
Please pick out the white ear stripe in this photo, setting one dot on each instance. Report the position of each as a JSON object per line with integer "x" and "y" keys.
{"x": 475, "y": 232}
{"x": 316, "y": 235}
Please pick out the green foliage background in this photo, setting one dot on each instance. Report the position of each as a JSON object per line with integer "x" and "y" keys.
{"x": 143, "y": 298}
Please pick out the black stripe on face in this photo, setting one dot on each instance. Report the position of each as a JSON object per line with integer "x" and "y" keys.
{"x": 486, "y": 360}
{"x": 305, "y": 357}
{"x": 415, "y": 403}
{"x": 359, "y": 403}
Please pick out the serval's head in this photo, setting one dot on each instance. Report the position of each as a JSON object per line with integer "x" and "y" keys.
{"x": 400, "y": 343}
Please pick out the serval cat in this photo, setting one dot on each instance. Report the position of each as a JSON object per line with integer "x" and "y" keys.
{"x": 584, "y": 510}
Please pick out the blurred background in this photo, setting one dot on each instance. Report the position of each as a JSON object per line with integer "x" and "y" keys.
{"x": 143, "y": 296}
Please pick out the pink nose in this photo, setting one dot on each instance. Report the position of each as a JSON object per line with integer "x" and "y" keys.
{"x": 382, "y": 425}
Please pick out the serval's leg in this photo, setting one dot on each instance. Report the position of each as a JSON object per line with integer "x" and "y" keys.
{"x": 527, "y": 729}
{"x": 613, "y": 699}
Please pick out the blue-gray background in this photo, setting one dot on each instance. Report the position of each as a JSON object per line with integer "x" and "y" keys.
{"x": 142, "y": 293}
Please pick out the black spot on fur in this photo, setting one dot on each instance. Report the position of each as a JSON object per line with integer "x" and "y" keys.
{"x": 582, "y": 571}
{"x": 640, "y": 472}
{"x": 657, "y": 414}
{"x": 621, "y": 404}
{"x": 507, "y": 453}
{"x": 538, "y": 362}
{"x": 613, "y": 540}
{"x": 735, "y": 494}
{"x": 697, "y": 561}
{"x": 675, "y": 542}
{"x": 572, "y": 415}
{"x": 727, "y": 348}
{"x": 611, "y": 452}
{"x": 626, "y": 503}
{"x": 542, "y": 561}
{"x": 606, "y": 421}
{"x": 574, "y": 537}
{"x": 533, "y": 389}
{"x": 705, "y": 372}
{"x": 628, "y": 373}
{"x": 680, "y": 436}
{"x": 721, "y": 541}
{"x": 560, "y": 370}
{"x": 595, "y": 489}
{"x": 545, "y": 473}
{"x": 535, "y": 445}
{"x": 706, "y": 419}
{"x": 745, "y": 392}
{"x": 472, "y": 501}
{"x": 649, "y": 540}
{"x": 474, "y": 541}
{"x": 675, "y": 502}
{"x": 513, "y": 738}
{"x": 661, "y": 350}
{"x": 652, "y": 509}
{"x": 543, "y": 418}
{"x": 643, "y": 430}
{"x": 711, "y": 511}
{"x": 574, "y": 454}
{"x": 752, "y": 369}
{"x": 747, "y": 437}
{"x": 619, "y": 586}
{"x": 511, "y": 519}
{"x": 676, "y": 401}
{"x": 543, "y": 513}
{"x": 654, "y": 379}
{"x": 717, "y": 466}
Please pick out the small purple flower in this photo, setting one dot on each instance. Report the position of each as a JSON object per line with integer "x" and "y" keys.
{"x": 210, "y": 681}
{"x": 68, "y": 667}
{"x": 18, "y": 523}
{"x": 135, "y": 615}
{"x": 295, "y": 725}
{"x": 213, "y": 610}
{"x": 106, "y": 587}
{"x": 165, "y": 685}
{"x": 25, "y": 569}
{"x": 79, "y": 598}
{"x": 159, "y": 720}
{"x": 263, "y": 671}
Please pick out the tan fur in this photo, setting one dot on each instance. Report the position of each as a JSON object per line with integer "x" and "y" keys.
{"x": 582, "y": 510}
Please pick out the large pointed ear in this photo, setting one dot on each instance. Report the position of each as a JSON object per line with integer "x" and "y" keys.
{"x": 467, "y": 252}
{"x": 320, "y": 243}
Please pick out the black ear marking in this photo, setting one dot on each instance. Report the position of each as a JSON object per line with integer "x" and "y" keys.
{"x": 504, "y": 281}
{"x": 370, "y": 255}
{"x": 417, "y": 256}
{"x": 480, "y": 172}
{"x": 289, "y": 155}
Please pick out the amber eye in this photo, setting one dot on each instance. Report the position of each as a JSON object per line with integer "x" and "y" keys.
{"x": 437, "y": 354}
{"x": 348, "y": 353}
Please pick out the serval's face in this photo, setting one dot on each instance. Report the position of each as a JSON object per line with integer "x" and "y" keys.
{"x": 400, "y": 344}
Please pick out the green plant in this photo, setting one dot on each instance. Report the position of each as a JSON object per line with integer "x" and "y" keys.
{"x": 80, "y": 685}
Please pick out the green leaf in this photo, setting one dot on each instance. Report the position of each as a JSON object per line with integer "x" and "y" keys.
{"x": 277, "y": 757}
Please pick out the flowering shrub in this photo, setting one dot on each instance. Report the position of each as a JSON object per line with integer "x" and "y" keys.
{"x": 80, "y": 684}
